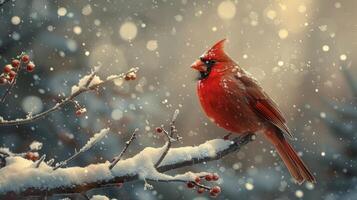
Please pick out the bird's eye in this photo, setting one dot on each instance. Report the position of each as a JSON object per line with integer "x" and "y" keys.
{"x": 210, "y": 62}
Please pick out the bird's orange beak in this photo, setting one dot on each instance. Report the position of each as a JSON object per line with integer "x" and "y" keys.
{"x": 199, "y": 66}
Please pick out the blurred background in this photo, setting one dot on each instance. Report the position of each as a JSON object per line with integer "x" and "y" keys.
{"x": 302, "y": 52}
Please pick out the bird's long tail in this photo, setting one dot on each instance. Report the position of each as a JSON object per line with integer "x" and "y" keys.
{"x": 293, "y": 162}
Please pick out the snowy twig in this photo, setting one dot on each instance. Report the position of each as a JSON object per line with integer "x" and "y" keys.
{"x": 91, "y": 77}
{"x": 66, "y": 100}
{"x": 184, "y": 181}
{"x": 34, "y": 182}
{"x": 169, "y": 137}
{"x": 91, "y": 142}
{"x": 127, "y": 144}
{"x": 39, "y": 161}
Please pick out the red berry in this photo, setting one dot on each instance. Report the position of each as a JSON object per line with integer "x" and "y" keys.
{"x": 15, "y": 63}
{"x": 81, "y": 111}
{"x": 120, "y": 184}
{"x": 127, "y": 78}
{"x": 159, "y": 129}
{"x": 3, "y": 81}
{"x": 200, "y": 190}
{"x": 216, "y": 190}
{"x": 209, "y": 177}
{"x": 190, "y": 185}
{"x": 197, "y": 180}
{"x": 7, "y": 68}
{"x": 78, "y": 113}
{"x": 212, "y": 194}
{"x": 215, "y": 177}
{"x": 25, "y": 58}
{"x": 12, "y": 74}
{"x": 31, "y": 156}
{"x": 30, "y": 67}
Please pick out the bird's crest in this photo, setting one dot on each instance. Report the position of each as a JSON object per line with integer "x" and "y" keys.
{"x": 216, "y": 52}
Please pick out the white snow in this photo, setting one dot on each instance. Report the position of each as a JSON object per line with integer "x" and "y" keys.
{"x": 99, "y": 197}
{"x": 96, "y": 137}
{"x": 91, "y": 142}
{"x": 36, "y": 146}
{"x": 82, "y": 82}
{"x": 20, "y": 174}
{"x": 6, "y": 151}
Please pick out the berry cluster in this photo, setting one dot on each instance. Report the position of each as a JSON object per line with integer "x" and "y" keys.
{"x": 31, "y": 156}
{"x": 10, "y": 70}
{"x": 214, "y": 191}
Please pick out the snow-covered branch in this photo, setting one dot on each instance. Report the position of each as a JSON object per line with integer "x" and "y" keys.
{"x": 87, "y": 83}
{"x": 20, "y": 177}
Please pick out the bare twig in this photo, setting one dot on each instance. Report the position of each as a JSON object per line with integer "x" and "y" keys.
{"x": 127, "y": 144}
{"x": 169, "y": 137}
{"x": 39, "y": 161}
{"x": 65, "y": 101}
{"x": 96, "y": 138}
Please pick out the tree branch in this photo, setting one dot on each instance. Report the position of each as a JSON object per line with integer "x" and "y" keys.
{"x": 169, "y": 138}
{"x": 99, "y": 175}
{"x": 127, "y": 144}
{"x": 66, "y": 100}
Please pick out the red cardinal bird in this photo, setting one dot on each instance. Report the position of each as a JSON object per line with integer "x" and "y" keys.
{"x": 233, "y": 100}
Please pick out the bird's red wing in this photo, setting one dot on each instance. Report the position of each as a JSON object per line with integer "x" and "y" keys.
{"x": 263, "y": 105}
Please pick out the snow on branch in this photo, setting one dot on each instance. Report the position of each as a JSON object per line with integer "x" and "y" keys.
{"x": 88, "y": 83}
{"x": 91, "y": 142}
{"x": 20, "y": 177}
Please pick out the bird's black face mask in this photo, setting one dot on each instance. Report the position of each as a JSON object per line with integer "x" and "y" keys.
{"x": 209, "y": 64}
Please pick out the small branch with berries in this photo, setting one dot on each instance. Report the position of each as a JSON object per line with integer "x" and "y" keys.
{"x": 11, "y": 71}
{"x": 169, "y": 136}
{"x": 198, "y": 183}
{"x": 90, "y": 82}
